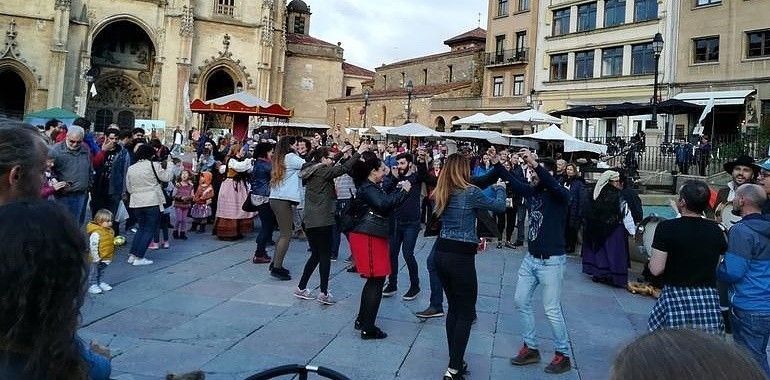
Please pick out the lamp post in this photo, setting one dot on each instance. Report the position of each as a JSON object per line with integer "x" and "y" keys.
{"x": 366, "y": 105}
{"x": 657, "y": 48}
{"x": 409, "y": 89}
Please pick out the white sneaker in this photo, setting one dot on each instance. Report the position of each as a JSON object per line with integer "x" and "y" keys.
{"x": 303, "y": 294}
{"x": 141, "y": 261}
{"x": 94, "y": 289}
{"x": 326, "y": 299}
{"x": 131, "y": 259}
{"x": 105, "y": 286}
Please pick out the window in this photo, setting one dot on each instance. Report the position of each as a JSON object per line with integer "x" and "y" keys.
{"x": 645, "y": 10}
{"x": 581, "y": 129}
{"x": 225, "y": 8}
{"x": 518, "y": 85}
{"x": 614, "y": 12}
{"x": 499, "y": 49}
{"x": 403, "y": 80}
{"x": 385, "y": 81}
{"x": 451, "y": 72}
{"x": 523, "y": 5}
{"x": 584, "y": 64}
{"x": 502, "y": 7}
{"x": 559, "y": 67}
{"x": 299, "y": 25}
{"x": 521, "y": 41}
{"x": 612, "y": 62}
{"x": 586, "y": 17}
{"x": 424, "y": 76}
{"x": 349, "y": 90}
{"x": 642, "y": 59}
{"x": 701, "y": 3}
{"x": 759, "y": 44}
{"x": 706, "y": 49}
{"x": 610, "y": 127}
{"x": 497, "y": 87}
{"x": 560, "y": 21}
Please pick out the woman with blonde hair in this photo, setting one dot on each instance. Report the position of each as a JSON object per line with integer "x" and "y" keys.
{"x": 285, "y": 193}
{"x": 232, "y": 222}
{"x": 456, "y": 203}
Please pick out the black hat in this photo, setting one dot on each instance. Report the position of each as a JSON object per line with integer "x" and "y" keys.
{"x": 741, "y": 161}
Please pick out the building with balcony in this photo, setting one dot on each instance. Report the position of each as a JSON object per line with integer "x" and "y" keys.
{"x": 508, "y": 73}
{"x": 598, "y": 52}
{"x": 722, "y": 51}
{"x": 445, "y": 87}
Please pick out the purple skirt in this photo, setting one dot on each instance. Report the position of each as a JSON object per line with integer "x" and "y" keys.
{"x": 609, "y": 261}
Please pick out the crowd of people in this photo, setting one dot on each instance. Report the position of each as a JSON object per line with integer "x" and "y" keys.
{"x": 379, "y": 197}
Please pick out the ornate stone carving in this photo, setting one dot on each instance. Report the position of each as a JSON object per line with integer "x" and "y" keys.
{"x": 63, "y": 4}
{"x": 267, "y": 30}
{"x": 11, "y": 45}
{"x": 226, "y": 44}
{"x": 187, "y": 22}
{"x": 119, "y": 92}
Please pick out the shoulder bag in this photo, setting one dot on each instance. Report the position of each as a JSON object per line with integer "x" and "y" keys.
{"x": 167, "y": 198}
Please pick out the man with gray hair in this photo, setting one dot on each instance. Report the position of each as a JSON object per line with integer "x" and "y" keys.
{"x": 746, "y": 268}
{"x": 72, "y": 165}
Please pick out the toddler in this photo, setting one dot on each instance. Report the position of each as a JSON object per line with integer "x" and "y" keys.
{"x": 101, "y": 240}
{"x": 201, "y": 209}
{"x": 183, "y": 195}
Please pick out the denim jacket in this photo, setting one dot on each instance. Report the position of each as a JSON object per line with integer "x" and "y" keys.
{"x": 260, "y": 177}
{"x": 458, "y": 221}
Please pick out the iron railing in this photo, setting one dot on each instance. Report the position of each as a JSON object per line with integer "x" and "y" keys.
{"x": 507, "y": 57}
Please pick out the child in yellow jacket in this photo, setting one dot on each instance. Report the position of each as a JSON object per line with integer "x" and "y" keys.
{"x": 101, "y": 241}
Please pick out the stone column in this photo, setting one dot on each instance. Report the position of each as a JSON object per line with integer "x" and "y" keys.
{"x": 58, "y": 62}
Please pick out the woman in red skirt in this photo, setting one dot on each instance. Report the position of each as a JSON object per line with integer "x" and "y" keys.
{"x": 369, "y": 238}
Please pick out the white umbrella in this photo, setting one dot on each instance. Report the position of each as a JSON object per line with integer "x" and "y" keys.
{"x": 413, "y": 130}
{"x": 532, "y": 116}
{"x": 476, "y": 119}
{"x": 571, "y": 144}
{"x": 500, "y": 117}
{"x": 492, "y": 137}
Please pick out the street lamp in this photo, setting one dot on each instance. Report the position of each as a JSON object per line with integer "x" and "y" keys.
{"x": 657, "y": 48}
{"x": 366, "y": 105}
{"x": 409, "y": 89}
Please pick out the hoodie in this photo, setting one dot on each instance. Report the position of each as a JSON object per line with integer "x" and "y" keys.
{"x": 320, "y": 193}
{"x": 746, "y": 266}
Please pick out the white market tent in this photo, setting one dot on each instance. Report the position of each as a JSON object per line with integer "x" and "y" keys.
{"x": 533, "y": 116}
{"x": 500, "y": 117}
{"x": 381, "y": 129}
{"x": 476, "y": 119}
{"x": 413, "y": 130}
{"x": 492, "y": 137}
{"x": 571, "y": 144}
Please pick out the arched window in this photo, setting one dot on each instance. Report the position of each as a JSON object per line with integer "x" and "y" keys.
{"x": 103, "y": 120}
{"x": 440, "y": 124}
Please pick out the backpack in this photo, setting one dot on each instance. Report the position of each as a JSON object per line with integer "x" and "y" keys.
{"x": 349, "y": 214}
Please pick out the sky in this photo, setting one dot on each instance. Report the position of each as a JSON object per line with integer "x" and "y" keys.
{"x": 374, "y": 32}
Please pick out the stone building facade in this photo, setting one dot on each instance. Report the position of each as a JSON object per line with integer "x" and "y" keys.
{"x": 446, "y": 87}
{"x": 122, "y": 60}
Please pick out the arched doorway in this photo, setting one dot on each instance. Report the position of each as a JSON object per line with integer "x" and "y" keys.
{"x": 451, "y": 122}
{"x": 123, "y": 61}
{"x": 439, "y": 124}
{"x": 13, "y": 98}
{"x": 219, "y": 83}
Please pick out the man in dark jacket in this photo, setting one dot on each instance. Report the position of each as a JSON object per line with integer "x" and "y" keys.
{"x": 405, "y": 225}
{"x": 544, "y": 264}
{"x": 111, "y": 165}
{"x": 72, "y": 164}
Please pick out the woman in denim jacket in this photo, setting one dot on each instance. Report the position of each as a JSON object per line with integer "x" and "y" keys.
{"x": 456, "y": 202}
{"x": 260, "y": 193}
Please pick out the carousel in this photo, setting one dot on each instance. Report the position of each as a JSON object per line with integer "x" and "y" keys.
{"x": 232, "y": 112}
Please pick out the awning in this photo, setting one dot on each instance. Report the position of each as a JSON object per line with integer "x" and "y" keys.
{"x": 240, "y": 103}
{"x": 279, "y": 124}
{"x": 721, "y": 98}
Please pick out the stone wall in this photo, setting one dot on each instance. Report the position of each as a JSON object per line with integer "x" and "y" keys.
{"x": 464, "y": 68}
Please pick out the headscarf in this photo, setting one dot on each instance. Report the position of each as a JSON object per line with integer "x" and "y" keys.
{"x": 205, "y": 178}
{"x": 603, "y": 180}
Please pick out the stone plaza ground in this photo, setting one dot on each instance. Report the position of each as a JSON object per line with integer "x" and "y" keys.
{"x": 204, "y": 305}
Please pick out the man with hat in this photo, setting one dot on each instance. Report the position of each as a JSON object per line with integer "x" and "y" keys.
{"x": 743, "y": 170}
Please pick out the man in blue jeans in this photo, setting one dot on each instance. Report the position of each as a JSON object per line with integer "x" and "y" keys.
{"x": 544, "y": 263}
{"x": 746, "y": 268}
{"x": 72, "y": 164}
{"x": 405, "y": 225}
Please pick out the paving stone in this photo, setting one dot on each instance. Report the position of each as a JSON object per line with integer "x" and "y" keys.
{"x": 178, "y": 302}
{"x": 139, "y": 323}
{"x": 212, "y": 287}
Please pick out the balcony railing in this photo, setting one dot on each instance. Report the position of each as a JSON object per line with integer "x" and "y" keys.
{"x": 507, "y": 57}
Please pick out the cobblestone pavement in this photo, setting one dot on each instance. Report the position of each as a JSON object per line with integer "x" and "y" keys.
{"x": 204, "y": 305}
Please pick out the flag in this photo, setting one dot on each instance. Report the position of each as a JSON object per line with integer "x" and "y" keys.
{"x": 93, "y": 90}
{"x": 707, "y": 110}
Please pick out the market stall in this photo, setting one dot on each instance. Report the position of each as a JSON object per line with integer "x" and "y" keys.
{"x": 233, "y": 112}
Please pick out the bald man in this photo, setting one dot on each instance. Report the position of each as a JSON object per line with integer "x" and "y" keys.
{"x": 72, "y": 164}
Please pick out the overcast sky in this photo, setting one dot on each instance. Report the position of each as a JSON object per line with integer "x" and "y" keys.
{"x": 374, "y": 32}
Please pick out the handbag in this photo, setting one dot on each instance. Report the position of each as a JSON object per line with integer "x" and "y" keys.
{"x": 433, "y": 226}
{"x": 373, "y": 224}
{"x": 167, "y": 198}
{"x": 248, "y": 205}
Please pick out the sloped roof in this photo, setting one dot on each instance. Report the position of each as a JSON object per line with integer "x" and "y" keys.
{"x": 431, "y": 89}
{"x": 477, "y": 34}
{"x": 351, "y": 69}
{"x": 304, "y": 39}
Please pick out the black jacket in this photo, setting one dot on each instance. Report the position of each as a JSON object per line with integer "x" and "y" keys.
{"x": 371, "y": 197}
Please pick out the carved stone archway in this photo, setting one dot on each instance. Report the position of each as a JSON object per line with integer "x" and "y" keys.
{"x": 120, "y": 100}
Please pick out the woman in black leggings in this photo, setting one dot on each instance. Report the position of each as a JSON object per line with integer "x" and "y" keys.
{"x": 456, "y": 203}
{"x": 369, "y": 238}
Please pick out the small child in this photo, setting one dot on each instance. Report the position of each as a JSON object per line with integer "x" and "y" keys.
{"x": 101, "y": 240}
{"x": 183, "y": 195}
{"x": 51, "y": 185}
{"x": 201, "y": 208}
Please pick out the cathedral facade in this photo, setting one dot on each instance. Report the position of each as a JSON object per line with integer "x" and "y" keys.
{"x": 121, "y": 60}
